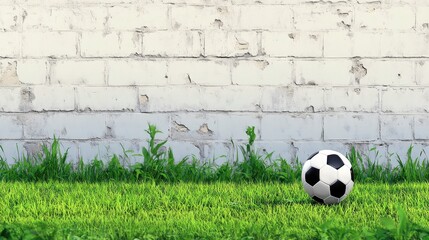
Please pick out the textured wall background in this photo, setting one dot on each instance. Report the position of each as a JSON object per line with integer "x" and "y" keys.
{"x": 308, "y": 74}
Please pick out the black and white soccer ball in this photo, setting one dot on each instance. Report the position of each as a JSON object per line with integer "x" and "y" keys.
{"x": 327, "y": 177}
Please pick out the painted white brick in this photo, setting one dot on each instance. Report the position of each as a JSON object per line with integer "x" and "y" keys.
{"x": 408, "y": 44}
{"x": 262, "y": 72}
{"x": 396, "y": 127}
{"x": 10, "y": 44}
{"x": 11, "y": 127}
{"x": 348, "y": 44}
{"x": 32, "y": 71}
{"x": 231, "y": 44}
{"x": 118, "y": 44}
{"x": 291, "y": 127}
{"x": 240, "y": 99}
{"x": 64, "y": 19}
{"x": 74, "y": 3}
{"x": 280, "y": 149}
{"x": 172, "y": 44}
{"x": 182, "y": 149}
{"x": 284, "y": 44}
{"x": 106, "y": 98}
{"x": 400, "y": 148}
{"x": 71, "y": 72}
{"x": 403, "y": 100}
{"x": 388, "y": 73}
{"x": 9, "y": 18}
{"x": 49, "y": 44}
{"x": 8, "y": 73}
{"x": 421, "y": 128}
{"x": 199, "y": 72}
{"x": 352, "y": 99}
{"x": 422, "y": 73}
{"x": 48, "y": 98}
{"x": 105, "y": 149}
{"x": 384, "y": 17}
{"x": 422, "y": 18}
{"x": 265, "y": 17}
{"x": 351, "y": 127}
{"x": 134, "y": 125}
{"x": 65, "y": 125}
{"x": 199, "y": 2}
{"x": 322, "y": 17}
{"x": 170, "y": 98}
{"x": 131, "y": 72}
{"x": 209, "y": 126}
{"x": 9, "y": 99}
{"x": 325, "y": 73}
{"x": 286, "y": 99}
{"x": 11, "y": 150}
{"x": 200, "y": 17}
{"x": 138, "y": 17}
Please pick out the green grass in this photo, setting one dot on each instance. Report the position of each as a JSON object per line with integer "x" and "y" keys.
{"x": 157, "y": 163}
{"x": 115, "y": 210}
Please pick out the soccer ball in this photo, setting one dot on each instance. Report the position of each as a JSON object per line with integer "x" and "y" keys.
{"x": 327, "y": 177}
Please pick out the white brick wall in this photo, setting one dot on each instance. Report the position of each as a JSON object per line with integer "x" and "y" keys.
{"x": 308, "y": 74}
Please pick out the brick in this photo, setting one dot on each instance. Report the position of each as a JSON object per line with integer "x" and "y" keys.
{"x": 147, "y": 17}
{"x": 167, "y": 99}
{"x": 203, "y": 73}
{"x": 212, "y": 126}
{"x": 399, "y": 149}
{"x": 304, "y": 149}
{"x": 356, "y": 127}
{"x": 199, "y": 2}
{"x": 284, "y": 44}
{"x": 233, "y": 98}
{"x": 264, "y": 17}
{"x": 323, "y": 73}
{"x": 182, "y": 149}
{"x": 388, "y": 73}
{"x": 32, "y": 71}
{"x": 262, "y": 72}
{"x": 407, "y": 44}
{"x": 396, "y": 127}
{"x": 64, "y": 18}
{"x": 137, "y": 72}
{"x": 280, "y": 149}
{"x": 11, "y": 150}
{"x": 170, "y": 98}
{"x": 200, "y": 17}
{"x": 10, "y": 44}
{"x": 422, "y": 73}
{"x": 11, "y": 127}
{"x": 134, "y": 125}
{"x": 65, "y": 125}
{"x": 117, "y": 44}
{"x": 404, "y": 100}
{"x": 421, "y": 128}
{"x": 288, "y": 99}
{"x": 291, "y": 127}
{"x": 9, "y": 102}
{"x": 172, "y": 44}
{"x": 105, "y": 149}
{"x": 106, "y": 98}
{"x": 10, "y": 17}
{"x": 49, "y": 44}
{"x": 230, "y": 44}
{"x": 385, "y": 17}
{"x": 39, "y": 98}
{"x": 352, "y": 99}
{"x": 8, "y": 73}
{"x": 74, "y": 3}
{"x": 91, "y": 73}
{"x": 322, "y": 17}
{"x": 422, "y": 18}
{"x": 346, "y": 44}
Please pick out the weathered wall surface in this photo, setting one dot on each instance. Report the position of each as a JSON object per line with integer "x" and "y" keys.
{"x": 308, "y": 74}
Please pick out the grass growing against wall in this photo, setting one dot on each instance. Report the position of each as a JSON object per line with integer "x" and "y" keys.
{"x": 157, "y": 163}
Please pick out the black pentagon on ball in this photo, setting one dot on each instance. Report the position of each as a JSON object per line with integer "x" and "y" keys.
{"x": 312, "y": 155}
{"x": 353, "y": 175}
{"x": 319, "y": 200}
{"x": 338, "y": 189}
{"x": 335, "y": 161}
{"x": 312, "y": 176}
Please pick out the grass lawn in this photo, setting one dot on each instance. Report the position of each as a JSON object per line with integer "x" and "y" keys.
{"x": 118, "y": 210}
